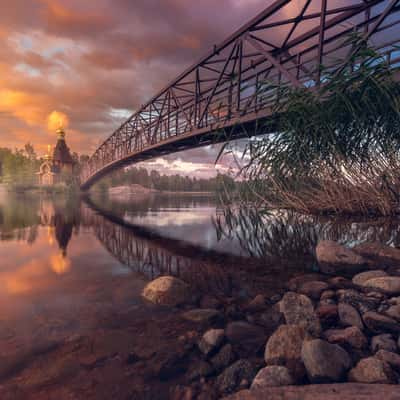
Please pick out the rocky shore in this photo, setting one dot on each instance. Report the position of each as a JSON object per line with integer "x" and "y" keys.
{"x": 338, "y": 327}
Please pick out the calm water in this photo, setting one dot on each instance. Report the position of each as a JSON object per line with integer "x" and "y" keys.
{"x": 67, "y": 265}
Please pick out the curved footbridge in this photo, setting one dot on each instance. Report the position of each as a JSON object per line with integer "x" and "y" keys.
{"x": 225, "y": 95}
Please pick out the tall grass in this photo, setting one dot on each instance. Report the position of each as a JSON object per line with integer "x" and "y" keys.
{"x": 336, "y": 148}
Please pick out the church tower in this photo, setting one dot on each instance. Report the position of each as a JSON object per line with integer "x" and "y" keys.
{"x": 62, "y": 159}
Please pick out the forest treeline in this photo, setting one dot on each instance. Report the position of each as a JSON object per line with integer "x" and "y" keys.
{"x": 174, "y": 183}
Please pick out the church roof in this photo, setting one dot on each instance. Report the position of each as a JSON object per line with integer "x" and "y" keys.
{"x": 62, "y": 153}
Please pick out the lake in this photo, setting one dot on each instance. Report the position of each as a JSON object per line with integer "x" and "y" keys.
{"x": 72, "y": 271}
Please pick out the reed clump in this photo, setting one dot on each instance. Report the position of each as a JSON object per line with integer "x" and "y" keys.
{"x": 336, "y": 148}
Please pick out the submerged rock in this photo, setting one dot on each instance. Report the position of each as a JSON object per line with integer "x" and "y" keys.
{"x": 363, "y": 277}
{"x": 383, "y": 342}
{"x": 211, "y": 340}
{"x": 313, "y": 289}
{"x": 334, "y": 258}
{"x": 299, "y": 310}
{"x": 223, "y": 358}
{"x": 349, "y": 316}
{"x": 391, "y": 358}
{"x": 245, "y": 335}
{"x": 324, "y": 362}
{"x": 202, "y": 315}
{"x": 371, "y": 370}
{"x": 388, "y": 284}
{"x": 377, "y": 253}
{"x": 231, "y": 378}
{"x": 349, "y": 337}
{"x": 167, "y": 291}
{"x": 378, "y": 323}
{"x": 273, "y": 375}
{"x": 284, "y": 348}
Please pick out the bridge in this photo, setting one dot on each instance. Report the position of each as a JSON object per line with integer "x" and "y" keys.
{"x": 224, "y": 96}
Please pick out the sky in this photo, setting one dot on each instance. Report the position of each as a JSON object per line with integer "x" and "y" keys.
{"x": 95, "y": 62}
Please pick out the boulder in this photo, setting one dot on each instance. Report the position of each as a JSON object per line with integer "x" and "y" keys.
{"x": 358, "y": 300}
{"x": 349, "y": 337}
{"x": 257, "y": 304}
{"x": 334, "y": 258}
{"x": 296, "y": 282}
{"x": 245, "y": 335}
{"x": 383, "y": 342}
{"x": 230, "y": 379}
{"x": 327, "y": 313}
{"x": 377, "y": 254}
{"x": 388, "y": 284}
{"x": 391, "y": 358}
{"x": 273, "y": 375}
{"x": 343, "y": 391}
{"x": 371, "y": 370}
{"x": 327, "y": 295}
{"x": 284, "y": 348}
{"x": 211, "y": 341}
{"x": 202, "y": 315}
{"x": 378, "y": 323}
{"x": 299, "y": 310}
{"x": 167, "y": 291}
{"x": 324, "y": 362}
{"x": 313, "y": 289}
{"x": 363, "y": 277}
{"x": 199, "y": 370}
{"x": 349, "y": 316}
{"x": 223, "y": 358}
{"x": 394, "y": 312}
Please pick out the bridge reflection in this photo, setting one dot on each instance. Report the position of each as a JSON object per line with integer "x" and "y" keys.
{"x": 153, "y": 255}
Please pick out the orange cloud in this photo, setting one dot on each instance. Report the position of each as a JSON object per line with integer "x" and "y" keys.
{"x": 27, "y": 107}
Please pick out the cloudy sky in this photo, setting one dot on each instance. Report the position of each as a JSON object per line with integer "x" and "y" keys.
{"x": 98, "y": 61}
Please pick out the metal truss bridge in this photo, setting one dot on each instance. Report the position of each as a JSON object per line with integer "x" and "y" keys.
{"x": 221, "y": 97}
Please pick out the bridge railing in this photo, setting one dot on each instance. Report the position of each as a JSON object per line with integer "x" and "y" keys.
{"x": 241, "y": 78}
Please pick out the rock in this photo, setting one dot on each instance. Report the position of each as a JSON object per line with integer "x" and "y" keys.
{"x": 327, "y": 294}
{"x": 273, "y": 375}
{"x": 394, "y": 312}
{"x": 296, "y": 282}
{"x": 211, "y": 341}
{"x": 199, "y": 370}
{"x": 371, "y": 370}
{"x": 349, "y": 337}
{"x": 343, "y": 391}
{"x": 324, "y": 362}
{"x": 167, "y": 291}
{"x": 377, "y": 253}
{"x": 313, "y": 289}
{"x": 383, "y": 342}
{"x": 208, "y": 301}
{"x": 339, "y": 282}
{"x": 231, "y": 378}
{"x": 363, "y": 277}
{"x": 388, "y": 284}
{"x": 394, "y": 301}
{"x": 299, "y": 310}
{"x": 327, "y": 313}
{"x": 391, "y": 358}
{"x": 378, "y": 323}
{"x": 257, "y": 304}
{"x": 358, "y": 300}
{"x": 284, "y": 348}
{"x": 223, "y": 358}
{"x": 334, "y": 258}
{"x": 245, "y": 335}
{"x": 270, "y": 319}
{"x": 202, "y": 315}
{"x": 349, "y": 316}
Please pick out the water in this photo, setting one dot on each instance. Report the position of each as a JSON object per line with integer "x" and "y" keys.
{"x": 73, "y": 268}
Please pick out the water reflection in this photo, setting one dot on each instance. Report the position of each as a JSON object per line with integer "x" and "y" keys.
{"x": 285, "y": 235}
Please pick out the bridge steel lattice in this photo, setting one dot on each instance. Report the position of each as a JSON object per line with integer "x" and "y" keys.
{"x": 284, "y": 45}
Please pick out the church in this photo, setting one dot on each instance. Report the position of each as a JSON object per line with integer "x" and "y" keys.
{"x": 56, "y": 167}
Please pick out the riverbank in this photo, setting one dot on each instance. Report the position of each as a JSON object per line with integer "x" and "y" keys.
{"x": 339, "y": 325}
